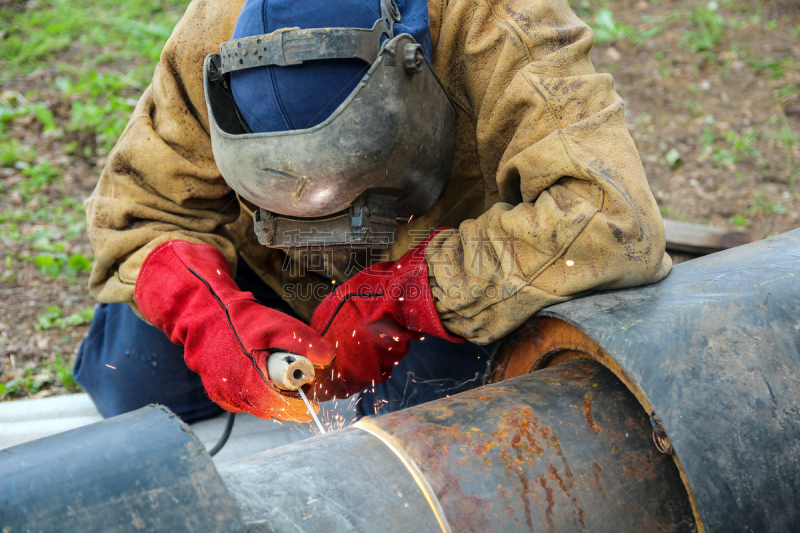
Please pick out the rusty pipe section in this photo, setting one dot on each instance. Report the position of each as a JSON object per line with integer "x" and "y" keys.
{"x": 712, "y": 352}
{"x": 567, "y": 448}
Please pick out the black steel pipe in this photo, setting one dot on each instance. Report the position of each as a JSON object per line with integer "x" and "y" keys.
{"x": 713, "y": 352}
{"x": 565, "y": 449}
{"x": 142, "y": 471}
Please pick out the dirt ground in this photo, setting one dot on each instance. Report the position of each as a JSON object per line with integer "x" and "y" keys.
{"x": 713, "y": 103}
{"x": 732, "y": 113}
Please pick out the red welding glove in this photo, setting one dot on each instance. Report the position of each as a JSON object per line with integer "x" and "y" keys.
{"x": 187, "y": 291}
{"x": 370, "y": 320}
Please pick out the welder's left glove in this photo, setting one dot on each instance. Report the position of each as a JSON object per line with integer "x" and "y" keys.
{"x": 370, "y": 320}
{"x": 187, "y": 290}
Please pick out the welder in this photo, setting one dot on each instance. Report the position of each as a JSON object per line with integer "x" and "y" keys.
{"x": 384, "y": 187}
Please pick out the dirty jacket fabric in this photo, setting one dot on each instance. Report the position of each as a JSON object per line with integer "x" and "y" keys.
{"x": 547, "y": 195}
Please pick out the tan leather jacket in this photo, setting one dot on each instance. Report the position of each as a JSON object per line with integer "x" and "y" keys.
{"x": 547, "y": 191}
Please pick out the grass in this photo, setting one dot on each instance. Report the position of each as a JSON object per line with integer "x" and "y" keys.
{"x": 708, "y": 28}
{"x": 32, "y": 379}
{"x": 101, "y": 55}
{"x": 13, "y": 153}
{"x": 774, "y": 68}
{"x": 608, "y": 30}
{"x": 80, "y": 29}
{"x": 788, "y": 139}
{"x": 54, "y": 318}
{"x": 83, "y": 43}
{"x": 70, "y": 74}
{"x": 760, "y": 205}
{"x": 728, "y": 148}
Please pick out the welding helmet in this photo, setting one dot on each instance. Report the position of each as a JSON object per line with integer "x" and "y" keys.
{"x": 336, "y": 134}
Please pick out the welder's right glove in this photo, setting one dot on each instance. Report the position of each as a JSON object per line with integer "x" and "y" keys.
{"x": 187, "y": 291}
{"x": 371, "y": 320}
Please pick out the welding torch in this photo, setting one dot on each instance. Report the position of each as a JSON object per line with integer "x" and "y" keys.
{"x": 289, "y": 371}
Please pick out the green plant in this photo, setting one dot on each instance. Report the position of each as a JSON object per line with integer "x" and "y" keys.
{"x": 739, "y": 221}
{"x": 33, "y": 379}
{"x": 787, "y": 91}
{"x": 774, "y": 68}
{"x": 53, "y": 259}
{"x": 789, "y": 139}
{"x": 37, "y": 177}
{"x": 728, "y": 148}
{"x": 63, "y": 373}
{"x": 608, "y": 30}
{"x": 693, "y": 107}
{"x": 760, "y": 204}
{"x": 53, "y": 318}
{"x": 42, "y": 174}
{"x": 104, "y": 106}
{"x": 20, "y": 107}
{"x": 29, "y": 381}
{"x": 709, "y": 28}
{"x": 12, "y": 152}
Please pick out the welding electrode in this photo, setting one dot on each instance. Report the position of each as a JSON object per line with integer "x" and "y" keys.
{"x": 289, "y": 371}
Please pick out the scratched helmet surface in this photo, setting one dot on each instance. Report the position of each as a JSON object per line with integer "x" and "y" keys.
{"x": 308, "y": 122}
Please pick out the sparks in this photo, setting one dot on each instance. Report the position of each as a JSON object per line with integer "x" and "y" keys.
{"x": 111, "y": 367}
{"x": 219, "y": 273}
{"x": 309, "y": 346}
{"x": 294, "y": 335}
{"x": 223, "y": 379}
{"x": 422, "y": 338}
{"x": 354, "y": 333}
{"x": 570, "y": 262}
{"x": 396, "y": 339}
{"x": 337, "y": 344}
{"x": 401, "y": 298}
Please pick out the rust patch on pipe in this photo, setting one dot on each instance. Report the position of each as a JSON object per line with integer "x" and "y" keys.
{"x": 505, "y": 434}
{"x": 586, "y": 409}
{"x": 545, "y": 342}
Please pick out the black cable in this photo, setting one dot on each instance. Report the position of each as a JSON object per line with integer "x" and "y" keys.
{"x": 342, "y": 302}
{"x": 225, "y": 434}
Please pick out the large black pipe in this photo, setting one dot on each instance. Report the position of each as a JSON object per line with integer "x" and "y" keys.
{"x": 143, "y": 471}
{"x": 564, "y": 449}
{"x": 713, "y": 352}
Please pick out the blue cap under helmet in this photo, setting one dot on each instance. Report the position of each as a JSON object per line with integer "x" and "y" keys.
{"x": 296, "y": 97}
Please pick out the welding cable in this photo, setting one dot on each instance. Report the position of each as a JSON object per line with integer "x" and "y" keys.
{"x": 225, "y": 434}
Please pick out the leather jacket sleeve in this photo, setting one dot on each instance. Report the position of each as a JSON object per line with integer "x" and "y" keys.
{"x": 573, "y": 210}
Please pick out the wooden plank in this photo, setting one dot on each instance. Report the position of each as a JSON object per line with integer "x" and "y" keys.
{"x": 700, "y": 239}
